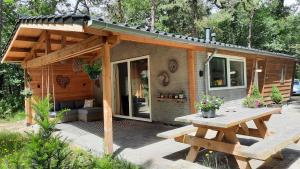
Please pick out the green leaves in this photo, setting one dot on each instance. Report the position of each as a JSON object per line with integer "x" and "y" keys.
{"x": 208, "y": 102}
{"x": 276, "y": 95}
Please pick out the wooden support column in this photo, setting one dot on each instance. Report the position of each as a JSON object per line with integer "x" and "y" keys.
{"x": 192, "y": 79}
{"x": 28, "y": 109}
{"x": 107, "y": 100}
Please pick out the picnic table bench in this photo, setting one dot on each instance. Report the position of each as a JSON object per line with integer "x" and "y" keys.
{"x": 229, "y": 123}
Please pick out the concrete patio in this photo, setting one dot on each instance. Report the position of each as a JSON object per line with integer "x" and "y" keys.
{"x": 136, "y": 141}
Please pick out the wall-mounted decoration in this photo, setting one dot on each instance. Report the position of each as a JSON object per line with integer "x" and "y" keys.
{"x": 77, "y": 65}
{"x": 173, "y": 65}
{"x": 62, "y": 81}
{"x": 163, "y": 78}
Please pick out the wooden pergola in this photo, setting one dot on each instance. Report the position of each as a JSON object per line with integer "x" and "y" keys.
{"x": 38, "y": 42}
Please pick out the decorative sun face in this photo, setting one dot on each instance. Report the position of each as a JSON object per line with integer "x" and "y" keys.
{"x": 173, "y": 65}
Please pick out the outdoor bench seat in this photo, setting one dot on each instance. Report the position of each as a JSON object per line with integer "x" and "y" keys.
{"x": 271, "y": 145}
{"x": 177, "y": 132}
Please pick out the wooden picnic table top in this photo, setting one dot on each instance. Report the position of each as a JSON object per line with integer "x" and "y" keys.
{"x": 229, "y": 116}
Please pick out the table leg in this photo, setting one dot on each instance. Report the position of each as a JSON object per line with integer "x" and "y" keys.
{"x": 242, "y": 162}
{"x": 278, "y": 155}
{"x": 193, "y": 152}
{"x": 230, "y": 137}
{"x": 219, "y": 136}
{"x": 262, "y": 127}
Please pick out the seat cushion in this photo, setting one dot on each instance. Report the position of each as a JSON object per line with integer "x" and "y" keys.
{"x": 67, "y": 105}
{"x": 79, "y": 104}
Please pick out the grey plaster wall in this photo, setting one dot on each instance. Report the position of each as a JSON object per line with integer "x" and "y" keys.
{"x": 159, "y": 56}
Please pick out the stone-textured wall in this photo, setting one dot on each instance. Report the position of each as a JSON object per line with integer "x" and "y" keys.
{"x": 159, "y": 56}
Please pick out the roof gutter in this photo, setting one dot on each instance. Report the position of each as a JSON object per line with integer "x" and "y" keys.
{"x": 189, "y": 40}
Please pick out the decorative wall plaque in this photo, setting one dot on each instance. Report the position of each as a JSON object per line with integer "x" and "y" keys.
{"x": 173, "y": 65}
{"x": 62, "y": 81}
{"x": 163, "y": 78}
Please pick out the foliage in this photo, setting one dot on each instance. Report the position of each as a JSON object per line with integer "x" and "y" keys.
{"x": 215, "y": 160}
{"x": 255, "y": 99}
{"x": 27, "y": 93}
{"x": 93, "y": 70}
{"x": 11, "y": 142}
{"x": 207, "y": 103}
{"x": 276, "y": 95}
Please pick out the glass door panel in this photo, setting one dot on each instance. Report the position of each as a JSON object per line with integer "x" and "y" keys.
{"x": 139, "y": 81}
{"x": 120, "y": 87}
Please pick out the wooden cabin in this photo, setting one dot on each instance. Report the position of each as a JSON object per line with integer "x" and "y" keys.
{"x": 149, "y": 76}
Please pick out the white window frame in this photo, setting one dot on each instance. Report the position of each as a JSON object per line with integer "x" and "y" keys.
{"x": 228, "y": 59}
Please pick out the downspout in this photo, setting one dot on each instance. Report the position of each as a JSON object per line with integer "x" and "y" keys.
{"x": 206, "y": 81}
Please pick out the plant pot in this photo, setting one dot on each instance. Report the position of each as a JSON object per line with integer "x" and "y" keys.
{"x": 274, "y": 105}
{"x": 209, "y": 114}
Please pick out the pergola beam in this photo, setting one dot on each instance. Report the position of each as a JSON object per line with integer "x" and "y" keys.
{"x": 85, "y": 46}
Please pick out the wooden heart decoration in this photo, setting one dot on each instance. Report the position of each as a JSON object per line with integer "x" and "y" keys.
{"x": 62, "y": 81}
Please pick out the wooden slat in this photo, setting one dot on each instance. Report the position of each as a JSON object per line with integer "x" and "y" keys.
{"x": 271, "y": 145}
{"x": 177, "y": 132}
{"x": 85, "y": 46}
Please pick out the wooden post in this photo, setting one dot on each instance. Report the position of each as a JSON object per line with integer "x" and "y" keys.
{"x": 28, "y": 109}
{"x": 192, "y": 79}
{"x": 107, "y": 99}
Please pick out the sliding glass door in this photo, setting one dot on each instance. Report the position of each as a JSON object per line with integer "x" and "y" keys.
{"x": 131, "y": 91}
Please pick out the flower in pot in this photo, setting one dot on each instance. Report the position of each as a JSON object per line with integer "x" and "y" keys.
{"x": 208, "y": 105}
{"x": 255, "y": 100}
{"x": 27, "y": 93}
{"x": 93, "y": 70}
{"x": 276, "y": 96}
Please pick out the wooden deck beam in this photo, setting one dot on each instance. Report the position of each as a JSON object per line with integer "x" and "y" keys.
{"x": 88, "y": 45}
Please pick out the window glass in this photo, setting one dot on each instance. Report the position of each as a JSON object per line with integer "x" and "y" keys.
{"x": 282, "y": 77}
{"x": 218, "y": 72}
{"x": 236, "y": 73}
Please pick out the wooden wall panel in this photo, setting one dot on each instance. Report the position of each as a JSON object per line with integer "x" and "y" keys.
{"x": 80, "y": 86}
{"x": 273, "y": 77}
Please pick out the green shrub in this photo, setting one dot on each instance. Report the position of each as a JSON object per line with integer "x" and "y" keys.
{"x": 255, "y": 92}
{"x": 11, "y": 142}
{"x": 276, "y": 95}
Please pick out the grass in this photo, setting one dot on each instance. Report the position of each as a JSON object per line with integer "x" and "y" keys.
{"x": 13, "y": 146}
{"x": 17, "y": 117}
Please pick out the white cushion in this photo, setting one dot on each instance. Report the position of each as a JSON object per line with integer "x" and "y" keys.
{"x": 88, "y": 103}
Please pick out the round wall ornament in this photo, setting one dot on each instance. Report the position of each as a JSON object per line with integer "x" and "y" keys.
{"x": 173, "y": 65}
{"x": 163, "y": 78}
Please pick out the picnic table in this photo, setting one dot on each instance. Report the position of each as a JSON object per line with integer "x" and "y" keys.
{"x": 228, "y": 123}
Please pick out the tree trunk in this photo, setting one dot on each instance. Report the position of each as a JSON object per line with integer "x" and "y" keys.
{"x": 153, "y": 14}
{"x": 120, "y": 11}
{"x": 250, "y": 28}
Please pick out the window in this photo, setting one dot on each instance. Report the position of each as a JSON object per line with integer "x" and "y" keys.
{"x": 282, "y": 75}
{"x": 227, "y": 72}
{"x": 236, "y": 73}
{"x": 218, "y": 72}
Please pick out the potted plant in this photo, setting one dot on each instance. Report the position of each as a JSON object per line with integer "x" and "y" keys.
{"x": 93, "y": 70}
{"x": 255, "y": 100}
{"x": 27, "y": 93}
{"x": 208, "y": 105}
{"x": 276, "y": 97}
